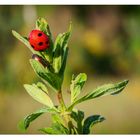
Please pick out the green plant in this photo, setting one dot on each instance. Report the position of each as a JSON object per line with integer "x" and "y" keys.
{"x": 66, "y": 119}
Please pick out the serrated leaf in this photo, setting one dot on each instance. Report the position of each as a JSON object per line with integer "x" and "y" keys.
{"x": 25, "y": 42}
{"x": 90, "y": 121}
{"x": 78, "y": 116}
{"x": 60, "y": 51}
{"x": 24, "y": 124}
{"x": 76, "y": 86}
{"x": 39, "y": 95}
{"x": 108, "y": 89}
{"x": 56, "y": 128}
{"x": 48, "y": 77}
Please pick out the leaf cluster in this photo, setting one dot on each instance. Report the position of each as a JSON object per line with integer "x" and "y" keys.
{"x": 67, "y": 120}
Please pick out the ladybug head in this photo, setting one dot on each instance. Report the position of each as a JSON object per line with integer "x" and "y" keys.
{"x": 38, "y": 40}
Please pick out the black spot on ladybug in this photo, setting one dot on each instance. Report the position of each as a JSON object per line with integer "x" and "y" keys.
{"x": 47, "y": 42}
{"x": 39, "y": 34}
{"x": 32, "y": 46}
{"x": 40, "y": 43}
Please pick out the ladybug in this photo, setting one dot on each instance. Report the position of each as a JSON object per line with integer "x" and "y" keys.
{"x": 38, "y": 40}
{"x": 40, "y": 59}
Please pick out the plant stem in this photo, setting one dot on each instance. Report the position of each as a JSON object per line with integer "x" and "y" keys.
{"x": 66, "y": 116}
{"x": 61, "y": 100}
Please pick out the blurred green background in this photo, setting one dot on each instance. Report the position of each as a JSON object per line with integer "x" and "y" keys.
{"x": 105, "y": 44}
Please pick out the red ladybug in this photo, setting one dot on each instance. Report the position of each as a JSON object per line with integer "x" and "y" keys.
{"x": 38, "y": 40}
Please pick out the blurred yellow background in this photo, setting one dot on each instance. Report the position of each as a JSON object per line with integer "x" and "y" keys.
{"x": 105, "y": 44}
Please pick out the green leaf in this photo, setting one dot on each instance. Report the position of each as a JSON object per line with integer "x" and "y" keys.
{"x": 78, "y": 116}
{"x": 64, "y": 60}
{"x": 39, "y": 95}
{"x": 90, "y": 121}
{"x": 42, "y": 24}
{"x": 57, "y": 58}
{"x": 24, "y": 124}
{"x": 50, "y": 130}
{"x": 56, "y": 118}
{"x": 56, "y": 128}
{"x": 48, "y": 77}
{"x": 60, "y": 51}
{"x": 42, "y": 87}
{"x": 76, "y": 86}
{"x": 25, "y": 42}
{"x": 108, "y": 89}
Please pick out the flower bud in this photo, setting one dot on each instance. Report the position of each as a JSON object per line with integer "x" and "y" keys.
{"x": 40, "y": 59}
